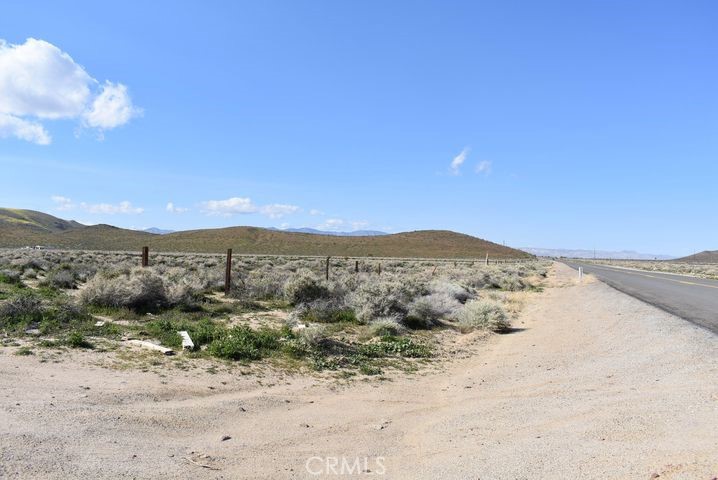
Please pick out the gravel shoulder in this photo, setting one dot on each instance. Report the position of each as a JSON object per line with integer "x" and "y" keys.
{"x": 592, "y": 384}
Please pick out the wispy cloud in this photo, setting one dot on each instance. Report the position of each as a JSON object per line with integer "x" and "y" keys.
{"x": 244, "y": 205}
{"x": 483, "y": 167}
{"x": 359, "y": 225}
{"x": 62, "y": 203}
{"x": 125, "y": 207}
{"x": 458, "y": 161}
{"x": 229, "y": 207}
{"x": 30, "y": 131}
{"x": 172, "y": 208}
{"x": 331, "y": 224}
{"x": 338, "y": 224}
{"x": 111, "y": 209}
{"x": 278, "y": 210}
{"x": 38, "y": 81}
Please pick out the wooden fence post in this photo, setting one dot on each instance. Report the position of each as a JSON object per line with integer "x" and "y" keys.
{"x": 326, "y": 273}
{"x": 228, "y": 273}
{"x": 145, "y": 256}
{"x": 379, "y": 269}
{"x": 356, "y": 266}
{"x": 487, "y": 258}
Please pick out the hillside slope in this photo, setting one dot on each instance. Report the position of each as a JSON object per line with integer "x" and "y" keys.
{"x": 34, "y": 228}
{"x": 425, "y": 243}
{"x": 28, "y": 227}
{"x": 708, "y": 256}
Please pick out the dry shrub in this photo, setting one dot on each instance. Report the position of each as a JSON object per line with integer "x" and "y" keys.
{"x": 483, "y": 315}
{"x": 426, "y": 311}
{"x": 304, "y": 287}
{"x": 381, "y": 298}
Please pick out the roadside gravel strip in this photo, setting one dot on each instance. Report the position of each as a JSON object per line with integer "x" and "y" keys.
{"x": 593, "y": 384}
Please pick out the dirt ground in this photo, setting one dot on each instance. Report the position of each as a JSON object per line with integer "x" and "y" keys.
{"x": 593, "y": 384}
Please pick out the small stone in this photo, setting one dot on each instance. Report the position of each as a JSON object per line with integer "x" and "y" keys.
{"x": 226, "y": 437}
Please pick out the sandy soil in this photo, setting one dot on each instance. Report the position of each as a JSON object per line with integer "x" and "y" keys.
{"x": 595, "y": 384}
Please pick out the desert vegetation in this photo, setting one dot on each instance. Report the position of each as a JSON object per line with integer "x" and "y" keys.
{"x": 707, "y": 270}
{"x": 369, "y": 316}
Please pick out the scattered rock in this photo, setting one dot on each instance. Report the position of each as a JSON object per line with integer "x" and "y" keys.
{"x": 226, "y": 437}
{"x": 382, "y": 425}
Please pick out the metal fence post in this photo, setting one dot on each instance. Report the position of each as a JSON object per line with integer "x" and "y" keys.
{"x": 228, "y": 273}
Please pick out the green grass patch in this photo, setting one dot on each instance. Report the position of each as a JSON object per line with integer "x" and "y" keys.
{"x": 395, "y": 346}
{"x": 78, "y": 340}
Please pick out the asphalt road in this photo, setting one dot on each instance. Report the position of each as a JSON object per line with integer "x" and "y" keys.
{"x": 693, "y": 299}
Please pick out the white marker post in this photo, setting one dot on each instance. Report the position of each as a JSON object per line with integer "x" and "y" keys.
{"x": 580, "y": 274}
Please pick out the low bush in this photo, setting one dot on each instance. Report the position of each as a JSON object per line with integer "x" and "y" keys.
{"x": 425, "y": 312}
{"x": 326, "y": 311}
{"x": 10, "y": 276}
{"x": 386, "y": 327}
{"x": 378, "y": 299}
{"x": 63, "y": 279}
{"x": 304, "y": 287}
{"x": 448, "y": 289}
{"x": 78, "y": 340}
{"x": 484, "y": 315}
{"x": 20, "y": 311}
{"x": 143, "y": 290}
{"x": 243, "y": 343}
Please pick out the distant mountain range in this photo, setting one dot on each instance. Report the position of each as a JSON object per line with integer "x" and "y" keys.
{"x": 157, "y": 231}
{"x": 314, "y": 231}
{"x": 603, "y": 254}
{"x": 25, "y": 228}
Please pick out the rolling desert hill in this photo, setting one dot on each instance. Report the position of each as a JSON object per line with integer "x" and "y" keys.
{"x": 30, "y": 228}
{"x": 37, "y": 221}
{"x": 708, "y": 256}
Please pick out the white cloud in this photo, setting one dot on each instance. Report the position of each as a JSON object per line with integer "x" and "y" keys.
{"x": 230, "y": 206}
{"x": 64, "y": 203}
{"x": 458, "y": 161}
{"x": 172, "y": 208}
{"x": 359, "y": 225}
{"x": 315, "y": 212}
{"x": 111, "y": 108}
{"x": 278, "y": 210}
{"x": 40, "y": 81}
{"x": 29, "y": 131}
{"x": 331, "y": 224}
{"x": 108, "y": 208}
{"x": 244, "y": 205}
{"x": 484, "y": 167}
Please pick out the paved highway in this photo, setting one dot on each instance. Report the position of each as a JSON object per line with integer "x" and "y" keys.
{"x": 691, "y": 298}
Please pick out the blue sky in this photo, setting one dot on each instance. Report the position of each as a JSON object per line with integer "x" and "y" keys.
{"x": 568, "y": 124}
